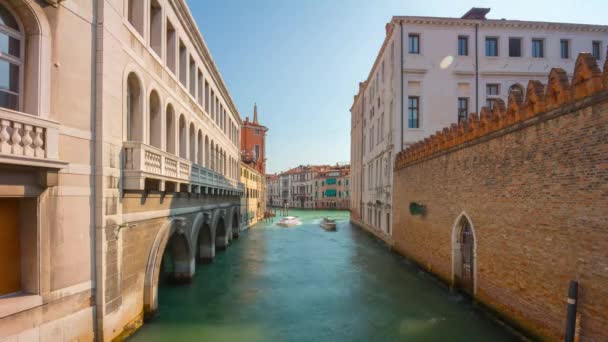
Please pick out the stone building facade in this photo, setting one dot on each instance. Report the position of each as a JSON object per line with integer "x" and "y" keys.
{"x": 253, "y": 203}
{"x": 114, "y": 151}
{"x": 511, "y": 206}
{"x": 431, "y": 72}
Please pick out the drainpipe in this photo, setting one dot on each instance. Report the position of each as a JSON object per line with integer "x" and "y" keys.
{"x": 97, "y": 272}
{"x": 401, "y": 80}
{"x": 571, "y": 313}
{"x": 476, "y": 68}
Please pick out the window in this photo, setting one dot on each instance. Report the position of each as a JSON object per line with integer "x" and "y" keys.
{"x": 490, "y": 103}
{"x": 183, "y": 64}
{"x": 463, "y": 108}
{"x": 256, "y": 149}
{"x": 156, "y": 27}
{"x": 207, "y": 97}
{"x": 257, "y": 131}
{"x": 192, "y": 77}
{"x": 171, "y": 48}
{"x": 538, "y": 48}
{"x": 596, "y": 49}
{"x": 491, "y": 47}
{"x": 564, "y": 48}
{"x": 414, "y": 43}
{"x": 493, "y": 89}
{"x": 463, "y": 45}
{"x": 413, "y": 111}
{"x": 135, "y": 15}
{"x": 11, "y": 60}
{"x": 514, "y": 47}
{"x": 517, "y": 90}
{"x": 200, "y": 91}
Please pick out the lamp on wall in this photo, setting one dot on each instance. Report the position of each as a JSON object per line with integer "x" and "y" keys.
{"x": 417, "y": 208}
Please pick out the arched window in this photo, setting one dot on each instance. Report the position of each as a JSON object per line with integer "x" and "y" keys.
{"x": 135, "y": 122}
{"x": 170, "y": 130}
{"x": 517, "y": 89}
{"x": 207, "y": 152}
{"x": 183, "y": 137}
{"x": 192, "y": 136}
{"x": 200, "y": 157}
{"x": 11, "y": 61}
{"x": 155, "y": 120}
{"x": 464, "y": 255}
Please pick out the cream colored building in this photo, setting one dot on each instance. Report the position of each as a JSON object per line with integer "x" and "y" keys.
{"x": 431, "y": 72}
{"x": 253, "y": 203}
{"x": 119, "y": 142}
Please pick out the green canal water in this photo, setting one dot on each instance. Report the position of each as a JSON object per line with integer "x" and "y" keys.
{"x": 306, "y": 284}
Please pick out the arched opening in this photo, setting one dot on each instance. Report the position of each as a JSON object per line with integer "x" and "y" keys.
{"x": 221, "y": 235}
{"x": 155, "y": 120}
{"x": 206, "y": 151}
{"x": 183, "y": 137}
{"x": 235, "y": 225}
{"x": 517, "y": 90}
{"x": 192, "y": 136}
{"x": 177, "y": 263}
{"x": 170, "y": 129}
{"x": 199, "y": 139}
{"x": 464, "y": 256}
{"x": 212, "y": 157}
{"x": 135, "y": 122}
{"x": 205, "y": 244}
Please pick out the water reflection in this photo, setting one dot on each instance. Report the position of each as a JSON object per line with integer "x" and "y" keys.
{"x": 306, "y": 284}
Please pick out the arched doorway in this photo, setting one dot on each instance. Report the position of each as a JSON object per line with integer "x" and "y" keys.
{"x": 221, "y": 235}
{"x": 464, "y": 255}
{"x": 205, "y": 245}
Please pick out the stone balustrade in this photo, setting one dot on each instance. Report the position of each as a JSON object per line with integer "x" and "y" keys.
{"x": 28, "y": 140}
{"x": 143, "y": 162}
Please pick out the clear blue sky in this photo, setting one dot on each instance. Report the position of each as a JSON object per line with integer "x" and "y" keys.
{"x": 302, "y": 60}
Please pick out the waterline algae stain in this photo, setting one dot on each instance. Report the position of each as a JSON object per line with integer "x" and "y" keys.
{"x": 306, "y": 284}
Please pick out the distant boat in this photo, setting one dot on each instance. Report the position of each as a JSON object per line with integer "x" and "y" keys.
{"x": 328, "y": 224}
{"x": 289, "y": 221}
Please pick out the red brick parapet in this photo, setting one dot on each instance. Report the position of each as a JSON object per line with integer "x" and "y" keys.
{"x": 588, "y": 80}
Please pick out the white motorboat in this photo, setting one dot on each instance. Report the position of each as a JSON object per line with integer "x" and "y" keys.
{"x": 328, "y": 224}
{"x": 289, "y": 221}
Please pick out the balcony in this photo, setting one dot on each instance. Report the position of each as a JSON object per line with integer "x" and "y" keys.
{"x": 29, "y": 140}
{"x": 147, "y": 167}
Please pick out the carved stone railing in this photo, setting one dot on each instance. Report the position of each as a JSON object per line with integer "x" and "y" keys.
{"x": 148, "y": 162}
{"x": 28, "y": 140}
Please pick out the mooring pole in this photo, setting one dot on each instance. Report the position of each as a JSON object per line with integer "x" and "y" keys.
{"x": 571, "y": 313}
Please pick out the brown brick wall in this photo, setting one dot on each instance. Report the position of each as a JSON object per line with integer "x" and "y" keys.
{"x": 536, "y": 192}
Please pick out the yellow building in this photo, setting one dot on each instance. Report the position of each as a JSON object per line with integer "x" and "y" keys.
{"x": 253, "y": 202}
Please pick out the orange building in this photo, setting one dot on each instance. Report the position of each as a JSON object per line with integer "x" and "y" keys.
{"x": 253, "y": 143}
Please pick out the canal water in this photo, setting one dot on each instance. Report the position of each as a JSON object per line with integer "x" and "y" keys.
{"x": 306, "y": 284}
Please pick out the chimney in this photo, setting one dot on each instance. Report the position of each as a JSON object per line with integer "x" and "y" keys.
{"x": 255, "y": 113}
{"x": 476, "y": 13}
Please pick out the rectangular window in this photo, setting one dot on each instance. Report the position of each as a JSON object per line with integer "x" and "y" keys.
{"x": 493, "y": 89}
{"x": 596, "y": 49}
{"x": 413, "y": 112}
{"x": 201, "y": 90}
{"x": 538, "y": 48}
{"x": 207, "y": 101}
{"x": 171, "y": 45}
{"x": 192, "y": 77}
{"x": 490, "y": 103}
{"x": 183, "y": 64}
{"x": 156, "y": 27}
{"x": 491, "y": 47}
{"x": 414, "y": 43}
{"x": 564, "y": 48}
{"x": 463, "y": 108}
{"x": 514, "y": 47}
{"x": 463, "y": 45}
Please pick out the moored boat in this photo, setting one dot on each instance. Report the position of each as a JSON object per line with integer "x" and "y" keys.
{"x": 328, "y": 224}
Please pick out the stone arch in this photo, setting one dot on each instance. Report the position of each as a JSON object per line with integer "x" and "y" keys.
{"x": 155, "y": 119}
{"x": 464, "y": 254}
{"x": 153, "y": 268}
{"x": 202, "y": 237}
{"x": 134, "y": 108}
{"x": 170, "y": 129}
{"x": 221, "y": 234}
{"x": 234, "y": 222}
{"x": 35, "y": 72}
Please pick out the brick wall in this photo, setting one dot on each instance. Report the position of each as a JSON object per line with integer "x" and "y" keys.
{"x": 532, "y": 177}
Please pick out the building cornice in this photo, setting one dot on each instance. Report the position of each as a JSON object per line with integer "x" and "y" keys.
{"x": 194, "y": 33}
